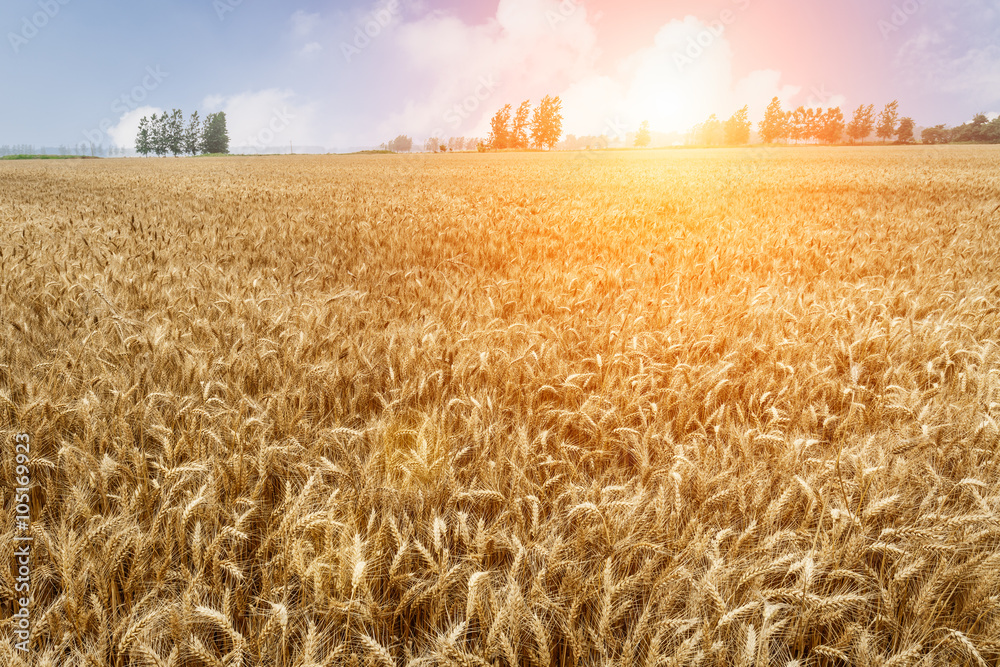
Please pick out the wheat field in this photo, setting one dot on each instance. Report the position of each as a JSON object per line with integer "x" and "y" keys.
{"x": 732, "y": 407}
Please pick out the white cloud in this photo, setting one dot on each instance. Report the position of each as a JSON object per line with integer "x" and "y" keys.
{"x": 454, "y": 75}
{"x": 266, "y": 118}
{"x": 538, "y": 47}
{"x": 311, "y": 48}
{"x": 959, "y": 55}
{"x": 684, "y": 76}
{"x": 303, "y": 23}
{"x": 125, "y": 131}
{"x": 530, "y": 49}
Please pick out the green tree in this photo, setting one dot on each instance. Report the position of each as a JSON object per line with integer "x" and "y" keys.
{"x": 142, "y": 138}
{"x": 905, "y": 131}
{"x": 192, "y": 136}
{"x": 737, "y": 128}
{"x": 975, "y": 132}
{"x": 546, "y": 123}
{"x": 216, "y": 136}
{"x": 935, "y": 135}
{"x": 175, "y": 132}
{"x": 519, "y": 129}
{"x": 159, "y": 134}
{"x": 887, "y": 121}
{"x": 500, "y": 131}
{"x": 775, "y": 123}
{"x": 992, "y": 131}
{"x": 643, "y": 137}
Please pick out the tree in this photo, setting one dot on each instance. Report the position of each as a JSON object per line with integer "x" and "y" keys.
{"x": 798, "y": 128}
{"x": 175, "y": 132}
{"x": 142, "y": 139}
{"x": 814, "y": 123}
{"x": 887, "y": 121}
{"x": 862, "y": 123}
{"x": 500, "y": 131}
{"x": 401, "y": 144}
{"x": 546, "y": 123}
{"x": 519, "y": 129}
{"x": 905, "y": 131}
{"x": 737, "y": 130}
{"x": 831, "y": 126}
{"x": 979, "y": 130}
{"x": 192, "y": 137}
{"x": 642, "y": 137}
{"x": 775, "y": 125}
{"x": 935, "y": 135}
{"x": 431, "y": 145}
{"x": 158, "y": 140}
{"x": 216, "y": 136}
{"x": 712, "y": 132}
{"x": 992, "y": 131}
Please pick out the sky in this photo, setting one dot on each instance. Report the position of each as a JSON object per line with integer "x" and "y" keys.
{"x": 353, "y": 74}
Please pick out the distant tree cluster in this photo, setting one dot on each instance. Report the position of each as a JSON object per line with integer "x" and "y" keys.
{"x": 732, "y": 132}
{"x": 401, "y": 144}
{"x": 168, "y": 133}
{"x": 585, "y": 142}
{"x": 18, "y": 149}
{"x": 643, "y": 137}
{"x": 524, "y": 128}
{"x": 828, "y": 126}
{"x": 81, "y": 149}
{"x": 463, "y": 143}
{"x": 404, "y": 144}
{"x": 981, "y": 130}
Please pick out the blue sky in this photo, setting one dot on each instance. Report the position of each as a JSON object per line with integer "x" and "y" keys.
{"x": 306, "y": 72}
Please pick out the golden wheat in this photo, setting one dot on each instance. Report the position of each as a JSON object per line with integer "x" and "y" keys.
{"x": 669, "y": 408}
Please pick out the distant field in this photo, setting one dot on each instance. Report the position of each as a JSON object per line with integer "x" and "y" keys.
{"x": 723, "y": 407}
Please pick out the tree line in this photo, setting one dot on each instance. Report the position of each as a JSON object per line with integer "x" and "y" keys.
{"x": 714, "y": 132}
{"x": 166, "y": 133}
{"x": 95, "y": 150}
{"x": 523, "y": 128}
{"x": 543, "y": 129}
{"x": 829, "y": 126}
{"x": 981, "y": 130}
{"x": 404, "y": 144}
